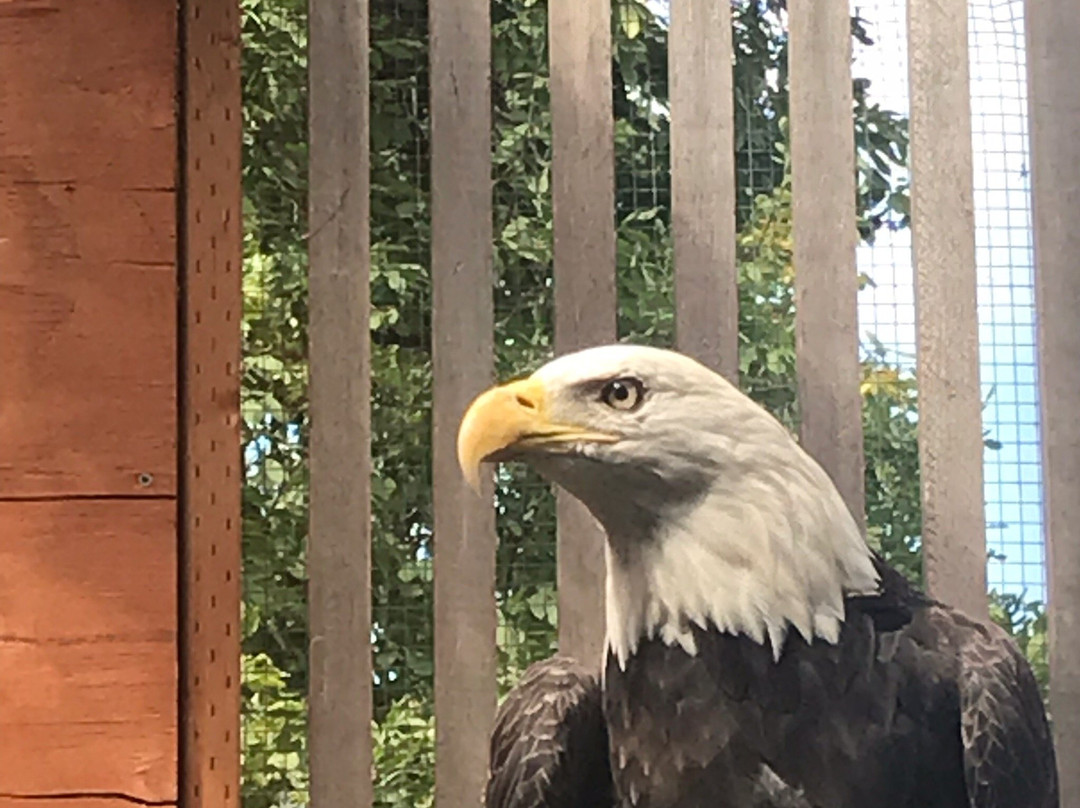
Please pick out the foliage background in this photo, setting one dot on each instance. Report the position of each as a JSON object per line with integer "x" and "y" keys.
{"x": 275, "y": 380}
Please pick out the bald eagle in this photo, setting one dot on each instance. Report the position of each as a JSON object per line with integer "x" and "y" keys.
{"x": 753, "y": 637}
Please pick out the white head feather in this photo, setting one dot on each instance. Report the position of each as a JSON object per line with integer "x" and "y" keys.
{"x": 714, "y": 514}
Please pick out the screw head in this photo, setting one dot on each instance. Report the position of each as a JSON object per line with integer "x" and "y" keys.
{"x": 145, "y": 479}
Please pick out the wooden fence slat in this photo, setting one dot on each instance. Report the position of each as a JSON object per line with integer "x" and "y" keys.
{"x": 339, "y": 542}
{"x": 463, "y": 343}
{"x": 1054, "y": 107}
{"x": 583, "y": 200}
{"x": 703, "y": 184}
{"x": 825, "y": 235}
{"x": 212, "y": 313}
{"x": 943, "y": 231}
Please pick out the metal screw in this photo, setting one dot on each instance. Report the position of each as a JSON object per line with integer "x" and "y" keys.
{"x": 146, "y": 479}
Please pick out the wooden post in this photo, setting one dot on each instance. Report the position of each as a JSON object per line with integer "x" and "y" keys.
{"x": 825, "y": 234}
{"x": 583, "y": 198}
{"x": 1054, "y": 108}
{"x": 462, "y": 335}
{"x": 703, "y": 184}
{"x": 943, "y": 230}
{"x": 339, "y": 542}
{"x": 212, "y": 313}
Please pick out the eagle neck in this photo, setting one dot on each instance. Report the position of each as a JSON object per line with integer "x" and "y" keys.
{"x": 755, "y": 569}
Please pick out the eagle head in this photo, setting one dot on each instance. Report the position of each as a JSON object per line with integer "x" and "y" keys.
{"x": 714, "y": 515}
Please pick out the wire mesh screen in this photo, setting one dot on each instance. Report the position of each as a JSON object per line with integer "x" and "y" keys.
{"x": 401, "y": 373}
{"x": 524, "y": 325}
{"x": 642, "y": 172}
{"x": 763, "y": 208}
{"x": 759, "y": 39}
{"x": 886, "y": 298}
{"x": 401, "y": 356}
{"x": 1003, "y": 239}
{"x": 274, "y": 405}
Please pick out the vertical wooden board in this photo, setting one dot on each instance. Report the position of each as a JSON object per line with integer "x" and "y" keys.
{"x": 943, "y": 231}
{"x": 703, "y": 184}
{"x": 583, "y": 200}
{"x": 339, "y": 541}
{"x": 212, "y": 470}
{"x": 88, "y": 648}
{"x": 462, "y": 326}
{"x": 87, "y": 248}
{"x": 825, "y": 234}
{"x": 1054, "y": 108}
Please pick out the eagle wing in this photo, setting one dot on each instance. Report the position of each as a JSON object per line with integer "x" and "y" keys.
{"x": 1008, "y": 752}
{"x": 549, "y": 746}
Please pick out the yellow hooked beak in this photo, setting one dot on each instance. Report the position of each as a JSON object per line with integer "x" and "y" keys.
{"x": 512, "y": 416}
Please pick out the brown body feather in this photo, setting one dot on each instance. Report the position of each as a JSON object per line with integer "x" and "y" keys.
{"x": 916, "y": 706}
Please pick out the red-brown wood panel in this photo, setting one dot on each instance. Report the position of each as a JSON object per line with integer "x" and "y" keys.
{"x": 88, "y": 369}
{"x": 88, "y": 648}
{"x": 7, "y": 801}
{"x": 88, "y": 145}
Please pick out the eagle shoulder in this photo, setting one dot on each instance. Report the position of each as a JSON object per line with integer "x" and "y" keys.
{"x": 1008, "y": 752}
{"x": 549, "y": 744}
{"x": 1009, "y": 757}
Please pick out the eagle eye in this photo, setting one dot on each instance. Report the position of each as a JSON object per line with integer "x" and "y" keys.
{"x": 624, "y": 393}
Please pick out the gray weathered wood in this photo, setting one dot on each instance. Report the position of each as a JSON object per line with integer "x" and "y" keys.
{"x": 583, "y": 197}
{"x": 339, "y": 544}
{"x": 703, "y": 184}
{"x": 1053, "y": 28}
{"x": 943, "y": 229}
{"x": 462, "y": 326}
{"x": 825, "y": 234}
